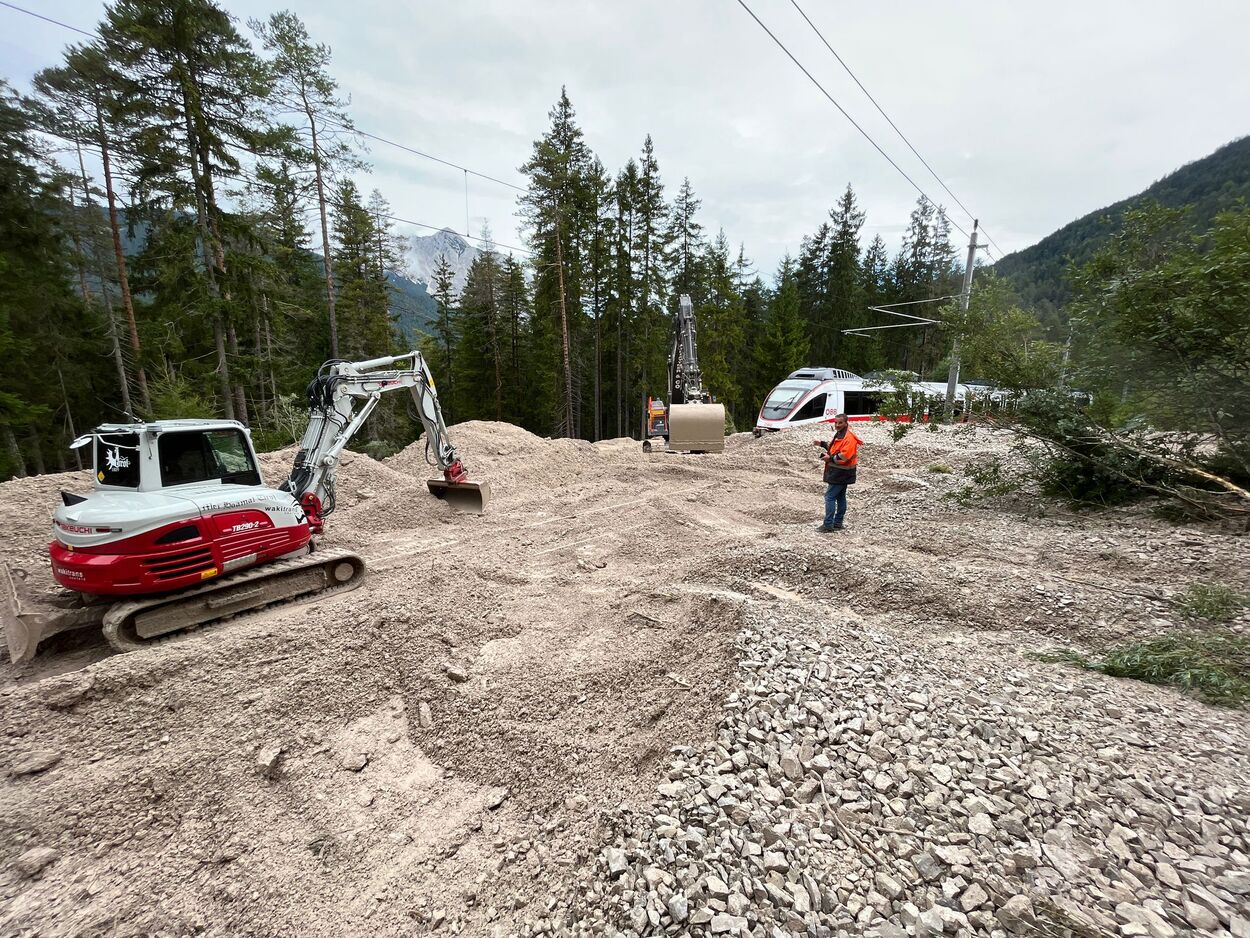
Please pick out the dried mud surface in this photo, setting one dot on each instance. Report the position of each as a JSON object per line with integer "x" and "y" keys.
{"x": 446, "y": 746}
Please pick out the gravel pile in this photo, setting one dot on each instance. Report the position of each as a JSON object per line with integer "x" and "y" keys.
{"x": 863, "y": 783}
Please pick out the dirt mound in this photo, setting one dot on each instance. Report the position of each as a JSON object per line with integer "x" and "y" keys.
{"x": 26, "y": 507}
{"x": 520, "y": 466}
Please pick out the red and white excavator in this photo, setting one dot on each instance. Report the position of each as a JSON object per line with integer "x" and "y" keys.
{"x": 180, "y": 530}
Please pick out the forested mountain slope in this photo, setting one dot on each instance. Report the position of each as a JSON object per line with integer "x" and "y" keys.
{"x": 1208, "y": 186}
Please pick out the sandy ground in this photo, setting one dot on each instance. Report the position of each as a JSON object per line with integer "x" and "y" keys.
{"x": 592, "y": 614}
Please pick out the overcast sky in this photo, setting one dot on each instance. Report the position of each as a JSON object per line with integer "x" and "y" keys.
{"x": 1033, "y": 113}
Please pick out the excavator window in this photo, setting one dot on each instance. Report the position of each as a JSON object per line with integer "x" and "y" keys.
{"x": 206, "y": 455}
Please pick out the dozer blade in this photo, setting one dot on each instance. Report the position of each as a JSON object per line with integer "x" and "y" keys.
{"x": 28, "y": 620}
{"x": 469, "y": 497}
{"x": 698, "y": 428}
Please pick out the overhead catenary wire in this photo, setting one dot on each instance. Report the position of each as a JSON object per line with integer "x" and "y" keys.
{"x": 888, "y": 119}
{"x": 47, "y": 19}
{"x": 428, "y": 156}
{"x": 363, "y": 133}
{"x": 246, "y": 177}
{"x": 832, "y": 100}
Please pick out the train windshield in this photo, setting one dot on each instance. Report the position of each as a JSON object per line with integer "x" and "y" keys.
{"x": 783, "y": 398}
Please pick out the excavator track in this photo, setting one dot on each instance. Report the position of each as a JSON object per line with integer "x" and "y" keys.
{"x": 132, "y": 625}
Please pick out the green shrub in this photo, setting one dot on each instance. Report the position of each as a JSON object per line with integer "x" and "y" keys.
{"x": 987, "y": 478}
{"x": 1213, "y": 601}
{"x": 1213, "y": 667}
{"x": 940, "y": 468}
{"x": 380, "y": 449}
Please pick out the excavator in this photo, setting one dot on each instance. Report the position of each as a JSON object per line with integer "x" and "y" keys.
{"x": 691, "y": 421}
{"x": 179, "y": 529}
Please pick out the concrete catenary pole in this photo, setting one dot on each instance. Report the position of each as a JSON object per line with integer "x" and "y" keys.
{"x": 952, "y": 379}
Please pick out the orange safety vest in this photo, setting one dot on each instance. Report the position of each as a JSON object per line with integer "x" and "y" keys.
{"x": 847, "y": 448}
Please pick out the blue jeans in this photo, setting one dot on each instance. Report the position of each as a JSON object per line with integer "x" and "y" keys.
{"x": 835, "y": 505}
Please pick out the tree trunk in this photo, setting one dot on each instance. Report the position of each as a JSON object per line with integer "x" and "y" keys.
{"x": 567, "y": 420}
{"x": 208, "y": 250}
{"x": 123, "y": 382}
{"x": 36, "y": 452}
{"x": 123, "y": 279}
{"x": 69, "y": 418}
{"x": 492, "y": 314}
{"x": 240, "y": 392}
{"x": 325, "y": 228}
{"x": 595, "y": 274}
{"x": 15, "y": 453}
{"x": 259, "y": 353}
{"x": 273, "y": 383}
{"x": 619, "y": 371}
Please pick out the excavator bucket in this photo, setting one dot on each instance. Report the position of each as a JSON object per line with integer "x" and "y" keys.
{"x": 698, "y": 428}
{"x": 469, "y": 497}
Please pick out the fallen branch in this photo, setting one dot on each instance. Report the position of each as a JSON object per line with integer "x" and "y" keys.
{"x": 1111, "y": 589}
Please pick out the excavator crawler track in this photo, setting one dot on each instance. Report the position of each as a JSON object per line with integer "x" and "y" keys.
{"x": 134, "y": 624}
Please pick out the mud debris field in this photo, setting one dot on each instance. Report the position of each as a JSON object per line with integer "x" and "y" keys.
{"x": 642, "y": 695}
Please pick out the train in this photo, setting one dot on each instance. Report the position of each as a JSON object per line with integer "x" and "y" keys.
{"x": 816, "y": 395}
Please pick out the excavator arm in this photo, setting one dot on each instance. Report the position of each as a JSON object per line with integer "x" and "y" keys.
{"x": 340, "y": 400}
{"x": 694, "y": 421}
{"x": 685, "y": 381}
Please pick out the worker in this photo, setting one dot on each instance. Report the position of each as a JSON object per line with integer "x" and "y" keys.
{"x": 841, "y": 456}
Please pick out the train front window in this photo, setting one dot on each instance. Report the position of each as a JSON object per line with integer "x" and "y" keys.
{"x": 783, "y": 398}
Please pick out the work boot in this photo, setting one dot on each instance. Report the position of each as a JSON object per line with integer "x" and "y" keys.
{"x": 823, "y": 529}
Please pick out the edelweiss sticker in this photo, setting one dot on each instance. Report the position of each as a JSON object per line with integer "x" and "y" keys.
{"x": 115, "y": 459}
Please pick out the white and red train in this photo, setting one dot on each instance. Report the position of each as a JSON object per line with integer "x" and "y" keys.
{"x": 816, "y": 395}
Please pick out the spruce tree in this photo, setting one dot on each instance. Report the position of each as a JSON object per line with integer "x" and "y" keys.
{"x": 844, "y": 293}
{"x": 686, "y": 236}
{"x": 783, "y": 346}
{"x": 363, "y": 291}
{"x": 514, "y": 311}
{"x": 722, "y": 326}
{"x": 555, "y": 209}
{"x": 441, "y": 349}
{"x": 479, "y": 359}
{"x": 600, "y": 254}
{"x": 651, "y": 247}
{"x": 189, "y": 99}
{"x": 303, "y": 91}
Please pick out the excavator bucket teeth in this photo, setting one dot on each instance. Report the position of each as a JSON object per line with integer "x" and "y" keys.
{"x": 469, "y": 497}
{"x": 697, "y": 428}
